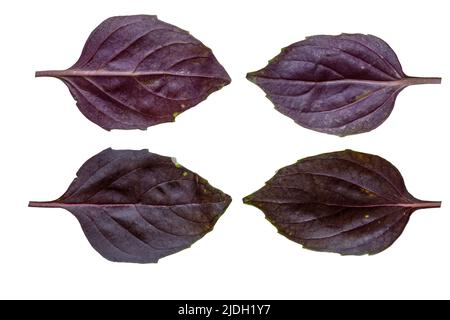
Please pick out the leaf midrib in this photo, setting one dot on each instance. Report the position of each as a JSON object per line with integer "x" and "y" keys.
{"x": 404, "y": 82}
{"x": 108, "y": 73}
{"x": 415, "y": 205}
{"x": 56, "y": 204}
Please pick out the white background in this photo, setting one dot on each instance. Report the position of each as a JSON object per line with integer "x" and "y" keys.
{"x": 235, "y": 139}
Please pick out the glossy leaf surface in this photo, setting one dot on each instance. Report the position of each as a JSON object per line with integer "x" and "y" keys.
{"x": 136, "y": 206}
{"x": 137, "y": 71}
{"x": 340, "y": 85}
{"x": 346, "y": 202}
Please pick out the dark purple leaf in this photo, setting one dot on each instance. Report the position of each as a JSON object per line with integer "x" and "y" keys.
{"x": 137, "y": 71}
{"x": 347, "y": 202}
{"x": 340, "y": 85}
{"x": 136, "y": 206}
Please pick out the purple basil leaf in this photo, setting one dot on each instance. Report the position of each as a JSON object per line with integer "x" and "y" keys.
{"x": 340, "y": 85}
{"x": 136, "y": 206}
{"x": 347, "y": 202}
{"x": 137, "y": 71}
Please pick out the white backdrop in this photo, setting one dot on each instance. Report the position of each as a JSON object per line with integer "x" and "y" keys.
{"x": 235, "y": 139}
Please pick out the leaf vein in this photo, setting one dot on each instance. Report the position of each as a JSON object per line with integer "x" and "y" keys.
{"x": 148, "y": 54}
{"x": 343, "y": 232}
{"x": 162, "y": 230}
{"x": 130, "y": 44}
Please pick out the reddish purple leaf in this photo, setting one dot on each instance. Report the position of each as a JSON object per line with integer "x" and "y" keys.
{"x": 346, "y": 202}
{"x": 137, "y": 71}
{"x": 136, "y": 206}
{"x": 340, "y": 85}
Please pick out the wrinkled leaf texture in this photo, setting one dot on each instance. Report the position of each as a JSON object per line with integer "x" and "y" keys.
{"x": 339, "y": 85}
{"x": 136, "y": 206}
{"x": 346, "y": 202}
{"x": 137, "y": 71}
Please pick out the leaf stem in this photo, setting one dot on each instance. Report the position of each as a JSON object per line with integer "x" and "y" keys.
{"x": 427, "y": 204}
{"x": 423, "y": 80}
{"x": 49, "y": 73}
{"x": 44, "y": 204}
